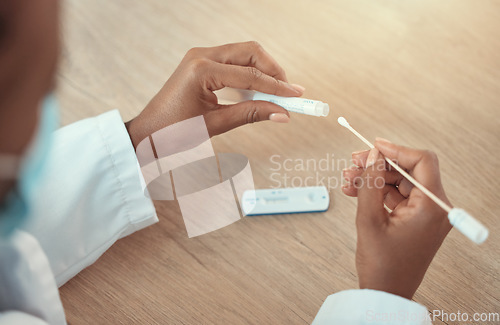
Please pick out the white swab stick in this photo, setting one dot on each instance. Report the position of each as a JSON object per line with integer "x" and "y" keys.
{"x": 459, "y": 218}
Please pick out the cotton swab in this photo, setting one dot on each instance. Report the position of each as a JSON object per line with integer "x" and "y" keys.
{"x": 459, "y": 218}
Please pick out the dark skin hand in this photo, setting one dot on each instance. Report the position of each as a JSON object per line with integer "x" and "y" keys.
{"x": 189, "y": 91}
{"x": 395, "y": 249}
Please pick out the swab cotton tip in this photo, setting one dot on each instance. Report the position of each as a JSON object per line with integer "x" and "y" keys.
{"x": 342, "y": 121}
{"x": 468, "y": 225}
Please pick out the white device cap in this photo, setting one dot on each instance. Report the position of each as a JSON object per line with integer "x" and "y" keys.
{"x": 322, "y": 109}
{"x": 468, "y": 225}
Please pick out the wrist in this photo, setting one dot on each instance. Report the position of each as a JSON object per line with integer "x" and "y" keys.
{"x": 403, "y": 288}
{"x": 134, "y": 132}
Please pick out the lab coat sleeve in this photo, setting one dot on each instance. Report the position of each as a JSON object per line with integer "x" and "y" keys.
{"x": 91, "y": 194}
{"x": 19, "y": 318}
{"x": 28, "y": 291}
{"x": 372, "y": 307}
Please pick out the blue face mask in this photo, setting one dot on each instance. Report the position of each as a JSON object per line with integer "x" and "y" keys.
{"x": 16, "y": 205}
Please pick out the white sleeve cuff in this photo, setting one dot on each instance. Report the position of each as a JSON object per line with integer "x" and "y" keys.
{"x": 370, "y": 307}
{"x": 91, "y": 194}
{"x": 141, "y": 211}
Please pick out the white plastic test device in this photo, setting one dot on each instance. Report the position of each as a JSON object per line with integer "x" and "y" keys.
{"x": 291, "y": 104}
{"x": 285, "y": 200}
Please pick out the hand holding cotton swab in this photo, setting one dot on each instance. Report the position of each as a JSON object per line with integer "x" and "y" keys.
{"x": 459, "y": 218}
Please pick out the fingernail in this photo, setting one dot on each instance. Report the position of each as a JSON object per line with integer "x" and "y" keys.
{"x": 355, "y": 153}
{"x": 298, "y": 87}
{"x": 279, "y": 118}
{"x": 382, "y": 140}
{"x": 372, "y": 158}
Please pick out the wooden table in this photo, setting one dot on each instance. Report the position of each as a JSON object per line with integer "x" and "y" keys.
{"x": 419, "y": 72}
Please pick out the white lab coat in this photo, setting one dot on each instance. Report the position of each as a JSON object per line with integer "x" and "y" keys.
{"x": 92, "y": 197}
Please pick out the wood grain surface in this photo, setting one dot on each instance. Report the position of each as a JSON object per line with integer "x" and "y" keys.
{"x": 418, "y": 72}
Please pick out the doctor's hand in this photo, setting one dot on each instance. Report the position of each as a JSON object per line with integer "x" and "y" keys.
{"x": 189, "y": 91}
{"x": 395, "y": 249}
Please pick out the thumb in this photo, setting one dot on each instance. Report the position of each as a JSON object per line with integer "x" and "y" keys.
{"x": 371, "y": 211}
{"x": 228, "y": 117}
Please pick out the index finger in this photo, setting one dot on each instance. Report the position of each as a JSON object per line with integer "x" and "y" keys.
{"x": 226, "y": 75}
{"x": 421, "y": 164}
{"x": 249, "y": 54}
